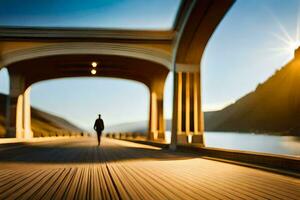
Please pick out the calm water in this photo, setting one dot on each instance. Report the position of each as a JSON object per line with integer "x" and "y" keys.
{"x": 285, "y": 145}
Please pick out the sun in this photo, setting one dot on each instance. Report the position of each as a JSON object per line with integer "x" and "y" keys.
{"x": 290, "y": 42}
{"x": 293, "y": 46}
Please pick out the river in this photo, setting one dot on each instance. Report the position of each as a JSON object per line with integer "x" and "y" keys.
{"x": 282, "y": 145}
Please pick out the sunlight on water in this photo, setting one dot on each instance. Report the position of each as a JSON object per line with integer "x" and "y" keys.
{"x": 284, "y": 145}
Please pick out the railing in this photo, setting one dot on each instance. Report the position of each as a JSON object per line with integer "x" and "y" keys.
{"x": 126, "y": 135}
{"x": 285, "y": 164}
{"x": 59, "y": 133}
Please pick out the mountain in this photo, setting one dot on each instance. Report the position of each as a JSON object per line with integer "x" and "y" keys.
{"x": 42, "y": 123}
{"x": 274, "y": 106}
{"x": 134, "y": 127}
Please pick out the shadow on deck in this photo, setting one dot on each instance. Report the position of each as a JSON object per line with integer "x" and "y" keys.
{"x": 84, "y": 152}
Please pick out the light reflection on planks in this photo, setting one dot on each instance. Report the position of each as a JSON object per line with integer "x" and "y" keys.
{"x": 78, "y": 169}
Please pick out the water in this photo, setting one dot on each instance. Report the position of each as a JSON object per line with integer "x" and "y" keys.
{"x": 283, "y": 145}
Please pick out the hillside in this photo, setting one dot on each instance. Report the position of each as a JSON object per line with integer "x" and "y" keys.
{"x": 274, "y": 106}
{"x": 42, "y": 123}
{"x": 135, "y": 127}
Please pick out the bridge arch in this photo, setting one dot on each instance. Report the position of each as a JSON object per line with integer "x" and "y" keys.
{"x": 26, "y": 72}
{"x": 87, "y": 48}
{"x": 79, "y": 98}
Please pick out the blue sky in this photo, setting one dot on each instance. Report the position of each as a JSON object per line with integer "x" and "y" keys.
{"x": 245, "y": 50}
{"x": 90, "y": 13}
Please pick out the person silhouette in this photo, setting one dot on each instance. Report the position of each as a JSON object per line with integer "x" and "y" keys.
{"x": 99, "y": 127}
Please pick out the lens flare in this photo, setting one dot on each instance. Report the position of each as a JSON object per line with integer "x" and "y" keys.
{"x": 290, "y": 43}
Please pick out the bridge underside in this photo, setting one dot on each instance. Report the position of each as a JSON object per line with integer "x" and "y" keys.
{"x": 27, "y": 72}
{"x": 78, "y": 169}
{"x": 62, "y": 66}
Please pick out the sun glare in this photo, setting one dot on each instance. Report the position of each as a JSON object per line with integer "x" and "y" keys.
{"x": 290, "y": 42}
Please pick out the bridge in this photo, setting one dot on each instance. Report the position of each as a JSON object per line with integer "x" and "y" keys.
{"x": 32, "y": 55}
{"x": 75, "y": 168}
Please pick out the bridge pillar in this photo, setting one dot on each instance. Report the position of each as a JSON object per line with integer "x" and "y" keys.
{"x": 27, "y": 114}
{"x": 188, "y": 120}
{"x": 18, "y": 109}
{"x": 156, "y": 116}
{"x": 15, "y": 107}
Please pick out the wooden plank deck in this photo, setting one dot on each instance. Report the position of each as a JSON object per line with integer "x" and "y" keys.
{"x": 78, "y": 169}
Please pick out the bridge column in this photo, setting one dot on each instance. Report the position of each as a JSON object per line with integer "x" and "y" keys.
{"x": 27, "y": 114}
{"x": 156, "y": 117}
{"x": 15, "y": 107}
{"x": 188, "y": 121}
{"x": 18, "y": 109}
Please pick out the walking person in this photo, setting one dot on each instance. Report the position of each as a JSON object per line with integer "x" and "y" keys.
{"x": 99, "y": 127}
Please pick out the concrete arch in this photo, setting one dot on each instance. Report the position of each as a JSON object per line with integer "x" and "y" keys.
{"x": 136, "y": 86}
{"x": 87, "y": 77}
{"x": 78, "y": 65}
{"x": 29, "y": 71}
{"x": 84, "y": 48}
{"x": 195, "y": 33}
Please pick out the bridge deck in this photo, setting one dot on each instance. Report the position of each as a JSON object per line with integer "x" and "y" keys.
{"x": 77, "y": 169}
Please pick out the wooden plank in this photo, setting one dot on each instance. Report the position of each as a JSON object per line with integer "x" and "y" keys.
{"x": 52, "y": 184}
{"x": 78, "y": 169}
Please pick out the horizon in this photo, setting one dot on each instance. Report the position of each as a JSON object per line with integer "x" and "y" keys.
{"x": 243, "y": 46}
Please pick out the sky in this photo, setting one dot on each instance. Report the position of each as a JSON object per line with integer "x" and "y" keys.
{"x": 255, "y": 38}
{"x": 137, "y": 14}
